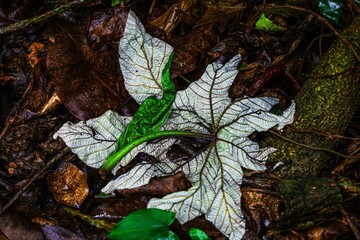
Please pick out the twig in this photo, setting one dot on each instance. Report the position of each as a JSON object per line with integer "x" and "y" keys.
{"x": 352, "y": 225}
{"x": 347, "y": 163}
{"x": 313, "y": 148}
{"x": 348, "y": 187}
{"x": 152, "y": 6}
{"x": 36, "y": 176}
{"x": 321, "y": 19}
{"x": 308, "y": 48}
{"x": 37, "y": 19}
{"x": 322, "y": 133}
{"x": 99, "y": 223}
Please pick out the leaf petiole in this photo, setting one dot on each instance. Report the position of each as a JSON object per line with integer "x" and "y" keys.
{"x": 114, "y": 158}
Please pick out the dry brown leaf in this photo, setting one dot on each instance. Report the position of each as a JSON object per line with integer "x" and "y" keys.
{"x": 87, "y": 81}
{"x": 160, "y": 186}
{"x": 68, "y": 185}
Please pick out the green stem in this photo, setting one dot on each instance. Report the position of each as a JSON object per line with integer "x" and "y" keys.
{"x": 99, "y": 223}
{"x": 117, "y": 156}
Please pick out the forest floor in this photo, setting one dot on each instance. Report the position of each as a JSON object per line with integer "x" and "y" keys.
{"x": 63, "y": 65}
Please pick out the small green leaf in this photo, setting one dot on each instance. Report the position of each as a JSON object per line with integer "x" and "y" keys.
{"x": 358, "y": 2}
{"x": 115, "y": 2}
{"x": 145, "y": 224}
{"x": 331, "y": 9}
{"x": 197, "y": 234}
{"x": 266, "y": 24}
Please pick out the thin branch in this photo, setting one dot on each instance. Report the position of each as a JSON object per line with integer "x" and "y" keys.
{"x": 322, "y": 133}
{"x": 321, "y": 19}
{"x": 311, "y": 147}
{"x": 99, "y": 223}
{"x": 37, "y": 19}
{"x": 346, "y": 164}
{"x": 307, "y": 50}
{"x": 351, "y": 224}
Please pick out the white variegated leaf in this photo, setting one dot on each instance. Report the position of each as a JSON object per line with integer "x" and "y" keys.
{"x": 187, "y": 205}
{"x": 204, "y": 107}
{"x": 216, "y": 173}
{"x": 137, "y": 176}
{"x": 157, "y": 149}
{"x": 142, "y": 60}
{"x": 225, "y": 213}
{"x": 207, "y": 97}
{"x": 252, "y": 114}
{"x": 94, "y": 140}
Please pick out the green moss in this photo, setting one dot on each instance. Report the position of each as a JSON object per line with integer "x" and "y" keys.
{"x": 327, "y": 101}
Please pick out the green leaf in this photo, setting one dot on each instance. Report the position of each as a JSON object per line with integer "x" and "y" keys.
{"x": 145, "y": 224}
{"x": 114, "y": 2}
{"x": 266, "y": 24}
{"x": 331, "y": 9}
{"x": 197, "y": 234}
{"x": 358, "y": 2}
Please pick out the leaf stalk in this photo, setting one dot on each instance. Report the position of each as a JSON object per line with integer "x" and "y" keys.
{"x": 114, "y": 158}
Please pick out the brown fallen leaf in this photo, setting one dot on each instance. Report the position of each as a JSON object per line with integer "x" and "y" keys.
{"x": 219, "y": 11}
{"x": 330, "y": 230}
{"x": 160, "y": 186}
{"x": 114, "y": 209}
{"x": 14, "y": 225}
{"x": 87, "y": 81}
{"x": 173, "y": 16}
{"x": 262, "y": 209}
{"x": 68, "y": 185}
{"x": 106, "y": 26}
{"x": 36, "y": 50}
{"x": 24, "y": 147}
{"x": 182, "y": 230}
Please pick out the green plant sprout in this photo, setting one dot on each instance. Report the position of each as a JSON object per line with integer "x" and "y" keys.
{"x": 263, "y": 23}
{"x": 203, "y": 110}
{"x": 115, "y": 2}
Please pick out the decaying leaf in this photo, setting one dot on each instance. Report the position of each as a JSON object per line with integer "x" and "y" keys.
{"x": 216, "y": 11}
{"x": 68, "y": 185}
{"x": 191, "y": 50}
{"x": 203, "y": 108}
{"x": 106, "y": 26}
{"x": 160, "y": 186}
{"x": 87, "y": 81}
{"x": 173, "y": 16}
